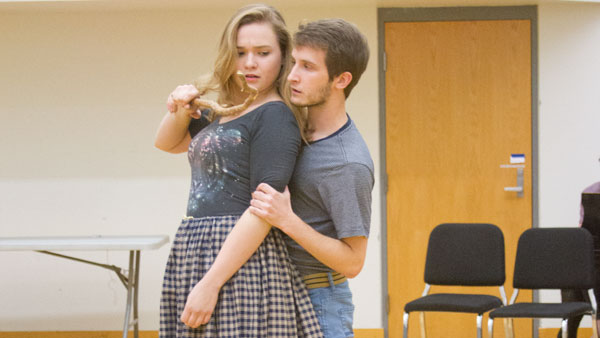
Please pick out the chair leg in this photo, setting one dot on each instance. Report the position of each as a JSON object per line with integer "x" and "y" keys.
{"x": 405, "y": 325}
{"x": 509, "y": 331}
{"x": 594, "y": 327}
{"x": 479, "y": 320}
{"x": 422, "y": 319}
{"x": 490, "y": 327}
{"x": 564, "y": 325}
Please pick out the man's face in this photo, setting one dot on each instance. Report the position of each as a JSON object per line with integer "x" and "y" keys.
{"x": 309, "y": 79}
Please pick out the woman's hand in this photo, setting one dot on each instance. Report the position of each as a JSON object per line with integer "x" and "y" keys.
{"x": 200, "y": 304}
{"x": 181, "y": 100}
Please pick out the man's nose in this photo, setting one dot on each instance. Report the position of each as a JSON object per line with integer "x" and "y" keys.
{"x": 293, "y": 77}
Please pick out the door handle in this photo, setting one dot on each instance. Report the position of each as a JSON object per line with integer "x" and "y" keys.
{"x": 520, "y": 173}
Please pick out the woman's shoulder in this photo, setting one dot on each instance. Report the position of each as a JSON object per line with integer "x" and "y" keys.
{"x": 273, "y": 107}
{"x": 274, "y": 111}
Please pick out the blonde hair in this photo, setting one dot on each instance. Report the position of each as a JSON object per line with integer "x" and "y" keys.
{"x": 223, "y": 81}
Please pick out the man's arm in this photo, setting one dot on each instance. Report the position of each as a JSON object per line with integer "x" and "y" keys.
{"x": 346, "y": 256}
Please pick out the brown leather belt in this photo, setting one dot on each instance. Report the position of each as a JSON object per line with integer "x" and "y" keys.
{"x": 321, "y": 279}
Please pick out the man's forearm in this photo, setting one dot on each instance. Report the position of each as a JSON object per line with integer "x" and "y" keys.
{"x": 345, "y": 257}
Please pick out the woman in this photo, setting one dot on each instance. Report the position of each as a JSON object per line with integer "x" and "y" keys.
{"x": 230, "y": 156}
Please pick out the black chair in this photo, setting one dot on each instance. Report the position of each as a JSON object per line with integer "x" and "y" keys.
{"x": 551, "y": 258}
{"x": 462, "y": 254}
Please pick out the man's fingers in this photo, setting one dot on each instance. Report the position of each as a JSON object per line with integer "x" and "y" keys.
{"x": 256, "y": 211}
{"x": 260, "y": 196}
{"x": 260, "y": 205}
{"x": 264, "y": 187}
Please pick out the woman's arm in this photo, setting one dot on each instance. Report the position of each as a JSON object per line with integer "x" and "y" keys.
{"x": 243, "y": 240}
{"x": 173, "y": 135}
{"x": 274, "y": 147}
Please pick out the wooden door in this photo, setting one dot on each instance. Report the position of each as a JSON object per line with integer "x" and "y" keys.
{"x": 458, "y": 104}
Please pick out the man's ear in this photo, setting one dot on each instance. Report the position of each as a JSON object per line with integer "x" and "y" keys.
{"x": 343, "y": 80}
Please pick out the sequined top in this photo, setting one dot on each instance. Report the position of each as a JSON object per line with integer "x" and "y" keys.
{"x": 228, "y": 160}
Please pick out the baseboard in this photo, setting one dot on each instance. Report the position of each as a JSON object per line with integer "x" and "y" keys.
{"x": 551, "y": 333}
{"x": 75, "y": 334}
{"x": 368, "y": 333}
{"x": 358, "y": 333}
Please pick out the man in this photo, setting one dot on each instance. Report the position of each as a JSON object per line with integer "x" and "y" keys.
{"x": 327, "y": 216}
{"x": 570, "y": 295}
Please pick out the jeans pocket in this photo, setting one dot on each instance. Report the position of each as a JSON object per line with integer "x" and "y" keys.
{"x": 319, "y": 301}
{"x": 347, "y": 318}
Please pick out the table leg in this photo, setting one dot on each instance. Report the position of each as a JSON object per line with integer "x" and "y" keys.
{"x": 136, "y": 291}
{"x": 129, "y": 295}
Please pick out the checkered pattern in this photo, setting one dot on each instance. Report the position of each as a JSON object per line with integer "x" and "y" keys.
{"x": 265, "y": 298}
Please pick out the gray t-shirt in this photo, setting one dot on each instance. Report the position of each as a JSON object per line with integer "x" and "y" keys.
{"x": 331, "y": 191}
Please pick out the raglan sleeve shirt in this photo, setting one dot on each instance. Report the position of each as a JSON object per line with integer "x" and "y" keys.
{"x": 346, "y": 194}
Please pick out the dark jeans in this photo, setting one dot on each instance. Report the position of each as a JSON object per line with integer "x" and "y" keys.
{"x": 573, "y": 296}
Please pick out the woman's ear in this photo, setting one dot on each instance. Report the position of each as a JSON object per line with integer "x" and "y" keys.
{"x": 343, "y": 80}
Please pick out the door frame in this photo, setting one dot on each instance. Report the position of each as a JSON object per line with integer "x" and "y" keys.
{"x": 385, "y": 15}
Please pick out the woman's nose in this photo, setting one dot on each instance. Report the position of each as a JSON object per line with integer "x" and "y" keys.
{"x": 250, "y": 60}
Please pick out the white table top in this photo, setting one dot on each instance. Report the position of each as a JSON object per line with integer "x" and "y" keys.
{"x": 83, "y": 243}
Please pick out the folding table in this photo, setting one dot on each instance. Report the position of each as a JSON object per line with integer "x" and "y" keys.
{"x": 133, "y": 244}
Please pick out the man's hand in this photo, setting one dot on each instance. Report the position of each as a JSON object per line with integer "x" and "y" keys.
{"x": 200, "y": 305}
{"x": 272, "y": 206}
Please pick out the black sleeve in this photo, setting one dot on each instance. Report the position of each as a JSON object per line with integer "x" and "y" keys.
{"x": 274, "y": 146}
{"x": 198, "y": 124}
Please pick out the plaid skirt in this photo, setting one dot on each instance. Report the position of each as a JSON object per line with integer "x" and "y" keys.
{"x": 265, "y": 298}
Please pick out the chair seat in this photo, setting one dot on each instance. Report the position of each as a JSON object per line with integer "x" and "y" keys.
{"x": 542, "y": 310}
{"x": 445, "y": 302}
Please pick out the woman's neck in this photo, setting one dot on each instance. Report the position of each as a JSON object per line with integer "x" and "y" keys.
{"x": 262, "y": 98}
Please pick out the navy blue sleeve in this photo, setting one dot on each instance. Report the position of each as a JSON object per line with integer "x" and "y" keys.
{"x": 274, "y": 146}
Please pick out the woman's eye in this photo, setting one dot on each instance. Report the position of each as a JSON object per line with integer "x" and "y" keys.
{"x": 264, "y": 53}
{"x": 241, "y": 53}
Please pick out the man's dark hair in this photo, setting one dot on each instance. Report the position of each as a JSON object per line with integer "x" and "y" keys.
{"x": 346, "y": 48}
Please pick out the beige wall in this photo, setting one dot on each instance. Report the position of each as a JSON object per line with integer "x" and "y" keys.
{"x": 569, "y": 45}
{"x": 82, "y": 92}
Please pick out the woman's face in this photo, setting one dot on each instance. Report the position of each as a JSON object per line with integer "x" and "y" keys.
{"x": 259, "y": 56}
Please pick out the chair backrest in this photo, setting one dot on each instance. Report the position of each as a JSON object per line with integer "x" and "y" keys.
{"x": 469, "y": 254}
{"x": 591, "y": 213}
{"x": 555, "y": 258}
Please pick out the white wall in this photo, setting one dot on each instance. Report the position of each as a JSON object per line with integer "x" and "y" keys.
{"x": 569, "y": 114}
{"x": 81, "y": 95}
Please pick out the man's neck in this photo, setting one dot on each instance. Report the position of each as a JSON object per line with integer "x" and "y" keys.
{"x": 326, "y": 119}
